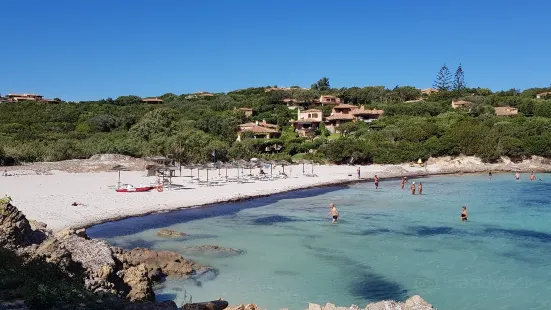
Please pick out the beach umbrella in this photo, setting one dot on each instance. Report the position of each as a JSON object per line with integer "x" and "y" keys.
{"x": 419, "y": 161}
{"x": 119, "y": 168}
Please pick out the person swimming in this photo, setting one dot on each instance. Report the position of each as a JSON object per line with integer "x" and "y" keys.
{"x": 333, "y": 212}
{"x": 517, "y": 176}
{"x": 464, "y": 213}
{"x": 404, "y": 181}
{"x": 412, "y": 187}
{"x": 376, "y": 182}
{"x": 532, "y": 176}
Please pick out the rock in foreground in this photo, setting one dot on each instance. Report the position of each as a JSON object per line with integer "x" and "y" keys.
{"x": 413, "y": 303}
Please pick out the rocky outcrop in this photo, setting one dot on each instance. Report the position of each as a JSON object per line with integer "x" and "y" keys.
{"x": 212, "y": 250}
{"x": 168, "y": 263}
{"x": 209, "y": 305}
{"x": 413, "y": 303}
{"x": 169, "y": 233}
{"x": 140, "y": 286}
{"x": 15, "y": 230}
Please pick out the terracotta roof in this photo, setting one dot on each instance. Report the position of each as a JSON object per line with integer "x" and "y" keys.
{"x": 258, "y": 129}
{"x": 152, "y": 100}
{"x": 340, "y": 117}
{"x": 311, "y": 111}
{"x": 361, "y": 111}
{"x": 287, "y": 100}
{"x": 306, "y": 120}
{"x": 506, "y": 111}
{"x": 345, "y": 106}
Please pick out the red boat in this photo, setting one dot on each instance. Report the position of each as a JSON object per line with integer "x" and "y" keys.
{"x": 131, "y": 189}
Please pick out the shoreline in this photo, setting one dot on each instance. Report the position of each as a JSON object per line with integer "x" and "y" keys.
{"x": 47, "y": 197}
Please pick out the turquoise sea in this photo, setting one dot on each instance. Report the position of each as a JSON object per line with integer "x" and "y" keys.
{"x": 388, "y": 244}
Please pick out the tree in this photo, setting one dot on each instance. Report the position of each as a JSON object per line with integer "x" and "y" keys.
{"x": 321, "y": 85}
{"x": 459, "y": 79}
{"x": 443, "y": 79}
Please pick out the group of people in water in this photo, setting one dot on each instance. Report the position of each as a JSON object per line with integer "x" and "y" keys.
{"x": 419, "y": 189}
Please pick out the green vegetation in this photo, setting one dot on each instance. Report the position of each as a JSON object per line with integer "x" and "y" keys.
{"x": 192, "y": 127}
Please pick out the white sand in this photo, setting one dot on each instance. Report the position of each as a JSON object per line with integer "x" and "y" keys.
{"x": 48, "y": 198}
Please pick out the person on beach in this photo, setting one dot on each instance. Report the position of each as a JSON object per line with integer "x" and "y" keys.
{"x": 404, "y": 181}
{"x": 376, "y": 182}
{"x": 490, "y": 175}
{"x": 464, "y": 214}
{"x": 358, "y": 172}
{"x": 517, "y": 176}
{"x": 412, "y": 187}
{"x": 333, "y": 212}
{"x": 532, "y": 176}
{"x": 420, "y": 188}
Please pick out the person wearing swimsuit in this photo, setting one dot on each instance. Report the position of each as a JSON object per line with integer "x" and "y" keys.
{"x": 404, "y": 181}
{"x": 532, "y": 176}
{"x": 376, "y": 182}
{"x": 517, "y": 176}
{"x": 490, "y": 175}
{"x": 464, "y": 214}
{"x": 412, "y": 187}
{"x": 358, "y": 172}
{"x": 333, "y": 212}
{"x": 420, "y": 188}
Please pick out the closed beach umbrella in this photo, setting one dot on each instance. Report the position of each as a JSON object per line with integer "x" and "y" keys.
{"x": 119, "y": 168}
{"x": 419, "y": 161}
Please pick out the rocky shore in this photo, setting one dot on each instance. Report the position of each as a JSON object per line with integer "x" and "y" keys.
{"x": 121, "y": 279}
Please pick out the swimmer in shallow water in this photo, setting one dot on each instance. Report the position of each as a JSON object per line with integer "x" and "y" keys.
{"x": 404, "y": 181}
{"x": 333, "y": 212}
{"x": 517, "y": 176}
{"x": 464, "y": 214}
{"x": 412, "y": 187}
{"x": 532, "y": 176}
{"x": 420, "y": 188}
{"x": 376, "y": 182}
{"x": 490, "y": 175}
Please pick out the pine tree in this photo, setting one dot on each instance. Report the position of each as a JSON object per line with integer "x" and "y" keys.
{"x": 443, "y": 79}
{"x": 459, "y": 80}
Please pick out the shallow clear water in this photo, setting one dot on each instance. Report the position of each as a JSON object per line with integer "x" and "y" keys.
{"x": 387, "y": 245}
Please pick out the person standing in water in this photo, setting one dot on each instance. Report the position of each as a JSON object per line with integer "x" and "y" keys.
{"x": 490, "y": 175}
{"x": 532, "y": 176}
{"x": 420, "y": 188}
{"x": 404, "y": 181}
{"x": 464, "y": 214}
{"x": 412, "y": 187}
{"x": 376, "y": 182}
{"x": 333, "y": 212}
{"x": 517, "y": 176}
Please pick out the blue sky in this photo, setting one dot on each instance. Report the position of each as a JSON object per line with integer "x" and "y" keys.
{"x": 84, "y": 50}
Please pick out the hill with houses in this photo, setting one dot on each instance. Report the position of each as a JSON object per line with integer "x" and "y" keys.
{"x": 370, "y": 124}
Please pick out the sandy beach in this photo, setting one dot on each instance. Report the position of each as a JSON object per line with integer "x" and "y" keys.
{"x": 47, "y": 197}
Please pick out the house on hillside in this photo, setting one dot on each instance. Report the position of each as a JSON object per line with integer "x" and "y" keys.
{"x": 340, "y": 114}
{"x": 23, "y": 97}
{"x": 258, "y": 130}
{"x": 456, "y": 103}
{"x": 307, "y": 122}
{"x": 543, "y": 95}
{"x": 506, "y": 111}
{"x": 363, "y": 115}
{"x": 329, "y": 100}
{"x": 203, "y": 94}
{"x": 248, "y": 111}
{"x": 429, "y": 91}
{"x": 152, "y": 100}
{"x": 28, "y": 97}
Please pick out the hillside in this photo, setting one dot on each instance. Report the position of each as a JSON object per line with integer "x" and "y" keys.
{"x": 191, "y": 127}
